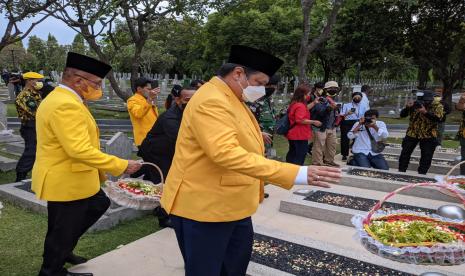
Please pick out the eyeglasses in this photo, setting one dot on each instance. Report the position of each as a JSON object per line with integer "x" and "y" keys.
{"x": 97, "y": 84}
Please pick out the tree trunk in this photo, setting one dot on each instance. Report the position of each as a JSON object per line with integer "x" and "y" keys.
{"x": 447, "y": 91}
{"x": 305, "y": 47}
{"x": 423, "y": 76}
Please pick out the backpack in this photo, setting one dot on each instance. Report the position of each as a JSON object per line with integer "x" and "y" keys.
{"x": 283, "y": 125}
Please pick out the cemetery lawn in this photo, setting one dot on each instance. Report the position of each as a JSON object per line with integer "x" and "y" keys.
{"x": 22, "y": 235}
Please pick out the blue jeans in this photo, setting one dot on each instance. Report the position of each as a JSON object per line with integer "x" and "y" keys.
{"x": 371, "y": 161}
{"x": 297, "y": 152}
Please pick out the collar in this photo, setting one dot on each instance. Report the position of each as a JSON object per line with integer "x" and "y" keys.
{"x": 71, "y": 90}
{"x": 220, "y": 83}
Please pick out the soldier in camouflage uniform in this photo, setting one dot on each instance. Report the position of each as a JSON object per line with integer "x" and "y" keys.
{"x": 425, "y": 114}
{"x": 265, "y": 113}
{"x": 27, "y": 103}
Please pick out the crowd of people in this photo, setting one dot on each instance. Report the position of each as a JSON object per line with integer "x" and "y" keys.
{"x": 214, "y": 145}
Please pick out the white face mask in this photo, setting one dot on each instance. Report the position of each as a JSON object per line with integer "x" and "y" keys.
{"x": 252, "y": 93}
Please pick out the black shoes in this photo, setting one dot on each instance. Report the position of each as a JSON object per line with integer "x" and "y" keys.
{"x": 75, "y": 260}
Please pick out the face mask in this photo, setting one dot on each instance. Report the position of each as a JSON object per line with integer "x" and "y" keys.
{"x": 38, "y": 85}
{"x": 269, "y": 91}
{"x": 357, "y": 100}
{"x": 437, "y": 99}
{"x": 252, "y": 93}
{"x": 91, "y": 94}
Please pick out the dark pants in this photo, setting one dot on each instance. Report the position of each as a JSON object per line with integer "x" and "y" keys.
{"x": 297, "y": 152}
{"x": 462, "y": 152}
{"x": 67, "y": 222}
{"x": 346, "y": 126}
{"x": 26, "y": 162}
{"x": 214, "y": 248}
{"x": 371, "y": 161}
{"x": 427, "y": 147}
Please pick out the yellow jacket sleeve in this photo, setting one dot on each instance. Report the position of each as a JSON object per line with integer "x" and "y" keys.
{"x": 223, "y": 148}
{"x": 68, "y": 123}
{"x": 138, "y": 108}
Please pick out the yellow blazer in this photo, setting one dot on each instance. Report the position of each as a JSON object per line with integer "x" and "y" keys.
{"x": 143, "y": 116}
{"x": 219, "y": 166}
{"x": 69, "y": 164}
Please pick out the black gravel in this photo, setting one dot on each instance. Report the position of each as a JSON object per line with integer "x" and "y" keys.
{"x": 358, "y": 203}
{"x": 301, "y": 260}
{"x": 390, "y": 176}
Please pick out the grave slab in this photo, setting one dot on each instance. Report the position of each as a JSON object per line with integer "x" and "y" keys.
{"x": 20, "y": 194}
{"x": 391, "y": 182}
{"x": 297, "y": 205}
{"x": 7, "y": 164}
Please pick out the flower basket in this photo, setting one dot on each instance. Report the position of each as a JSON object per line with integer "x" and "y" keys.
{"x": 412, "y": 237}
{"x": 135, "y": 193}
{"x": 457, "y": 181}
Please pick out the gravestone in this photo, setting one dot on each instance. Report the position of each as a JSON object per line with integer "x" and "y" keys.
{"x": 3, "y": 120}
{"x": 119, "y": 145}
{"x": 11, "y": 91}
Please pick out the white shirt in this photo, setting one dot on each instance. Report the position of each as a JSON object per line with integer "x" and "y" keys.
{"x": 365, "y": 101}
{"x": 360, "y": 110}
{"x": 72, "y": 90}
{"x": 362, "y": 142}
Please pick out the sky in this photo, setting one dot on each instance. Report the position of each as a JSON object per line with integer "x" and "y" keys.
{"x": 63, "y": 33}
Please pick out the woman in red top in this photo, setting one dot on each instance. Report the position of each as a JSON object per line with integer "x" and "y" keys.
{"x": 300, "y": 131}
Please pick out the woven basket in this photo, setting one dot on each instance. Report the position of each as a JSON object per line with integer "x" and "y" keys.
{"x": 421, "y": 253}
{"x": 127, "y": 199}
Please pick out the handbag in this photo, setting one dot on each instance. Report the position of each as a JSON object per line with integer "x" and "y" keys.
{"x": 376, "y": 146}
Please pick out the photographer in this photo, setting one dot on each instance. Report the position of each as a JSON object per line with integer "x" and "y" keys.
{"x": 325, "y": 110}
{"x": 425, "y": 114}
{"x": 367, "y": 131}
{"x": 351, "y": 112}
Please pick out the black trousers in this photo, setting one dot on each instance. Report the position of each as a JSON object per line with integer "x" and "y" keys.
{"x": 346, "y": 126}
{"x": 427, "y": 148}
{"x": 26, "y": 162}
{"x": 297, "y": 152}
{"x": 214, "y": 248}
{"x": 67, "y": 222}
{"x": 462, "y": 152}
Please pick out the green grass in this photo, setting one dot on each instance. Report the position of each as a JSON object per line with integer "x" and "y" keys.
{"x": 22, "y": 235}
{"x": 445, "y": 143}
{"x": 11, "y": 110}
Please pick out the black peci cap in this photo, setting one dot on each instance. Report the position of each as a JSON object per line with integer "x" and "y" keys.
{"x": 255, "y": 59}
{"x": 87, "y": 64}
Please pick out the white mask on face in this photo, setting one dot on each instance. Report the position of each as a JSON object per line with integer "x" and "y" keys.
{"x": 252, "y": 93}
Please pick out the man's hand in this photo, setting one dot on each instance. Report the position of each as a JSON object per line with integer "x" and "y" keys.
{"x": 410, "y": 103}
{"x": 267, "y": 138}
{"x": 154, "y": 93}
{"x": 323, "y": 176}
{"x": 133, "y": 166}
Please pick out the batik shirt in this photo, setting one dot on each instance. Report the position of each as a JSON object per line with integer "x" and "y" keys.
{"x": 461, "y": 133}
{"x": 264, "y": 112}
{"x": 423, "y": 126}
{"x": 27, "y": 103}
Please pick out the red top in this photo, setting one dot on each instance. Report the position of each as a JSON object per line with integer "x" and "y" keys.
{"x": 298, "y": 112}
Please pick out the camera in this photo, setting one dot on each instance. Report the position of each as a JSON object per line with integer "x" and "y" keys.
{"x": 353, "y": 110}
{"x": 322, "y": 100}
{"x": 418, "y": 104}
{"x": 368, "y": 120}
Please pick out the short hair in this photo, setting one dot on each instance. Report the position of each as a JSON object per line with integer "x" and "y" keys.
{"x": 372, "y": 112}
{"x": 195, "y": 83}
{"x": 227, "y": 68}
{"x": 142, "y": 82}
{"x": 365, "y": 88}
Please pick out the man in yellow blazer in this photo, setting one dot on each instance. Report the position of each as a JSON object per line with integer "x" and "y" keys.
{"x": 70, "y": 166}
{"x": 142, "y": 108}
{"x": 216, "y": 179}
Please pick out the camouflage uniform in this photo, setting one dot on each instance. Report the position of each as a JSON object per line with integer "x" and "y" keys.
{"x": 265, "y": 114}
{"x": 27, "y": 103}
